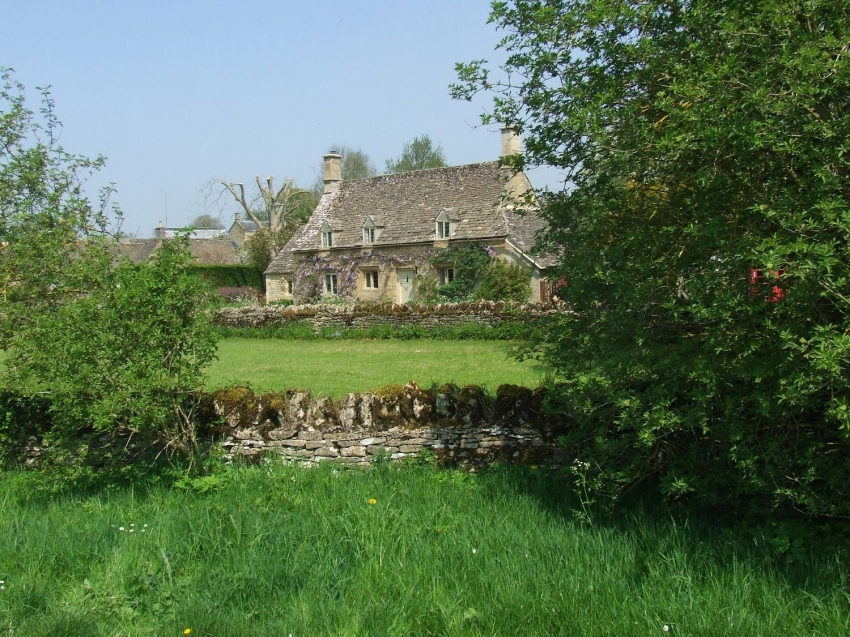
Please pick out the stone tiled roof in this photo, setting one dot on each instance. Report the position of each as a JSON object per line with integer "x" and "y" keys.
{"x": 206, "y": 251}
{"x": 246, "y": 224}
{"x": 214, "y": 251}
{"x": 137, "y": 250}
{"x": 404, "y": 207}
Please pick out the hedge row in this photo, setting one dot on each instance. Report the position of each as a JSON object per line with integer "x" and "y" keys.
{"x": 230, "y": 276}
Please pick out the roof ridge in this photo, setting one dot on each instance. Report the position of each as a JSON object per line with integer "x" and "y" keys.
{"x": 420, "y": 170}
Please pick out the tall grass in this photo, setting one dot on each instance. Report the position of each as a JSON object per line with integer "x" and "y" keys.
{"x": 396, "y": 550}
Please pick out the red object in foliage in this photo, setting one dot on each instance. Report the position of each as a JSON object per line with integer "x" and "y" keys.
{"x": 776, "y": 292}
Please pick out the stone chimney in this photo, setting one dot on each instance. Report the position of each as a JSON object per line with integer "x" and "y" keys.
{"x": 333, "y": 170}
{"x": 159, "y": 233}
{"x": 237, "y": 217}
{"x": 511, "y": 141}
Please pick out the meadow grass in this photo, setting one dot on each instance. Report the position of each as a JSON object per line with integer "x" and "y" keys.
{"x": 396, "y": 550}
{"x": 336, "y": 367}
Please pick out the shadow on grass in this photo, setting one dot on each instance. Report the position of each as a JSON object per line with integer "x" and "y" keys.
{"x": 807, "y": 557}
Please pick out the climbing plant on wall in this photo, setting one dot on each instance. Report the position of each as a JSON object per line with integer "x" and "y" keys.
{"x": 469, "y": 261}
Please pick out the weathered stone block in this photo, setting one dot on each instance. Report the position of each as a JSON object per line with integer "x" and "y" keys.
{"x": 374, "y": 450}
{"x": 293, "y": 442}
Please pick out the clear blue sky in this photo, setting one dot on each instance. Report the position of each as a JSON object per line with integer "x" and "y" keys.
{"x": 177, "y": 93}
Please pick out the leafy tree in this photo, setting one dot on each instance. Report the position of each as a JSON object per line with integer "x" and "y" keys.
{"x": 417, "y": 155}
{"x": 117, "y": 348}
{"x": 206, "y": 221}
{"x": 703, "y": 141}
{"x": 356, "y": 164}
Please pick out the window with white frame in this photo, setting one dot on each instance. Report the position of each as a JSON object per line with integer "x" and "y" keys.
{"x": 330, "y": 283}
{"x": 369, "y": 235}
{"x": 327, "y": 239}
{"x": 370, "y": 279}
{"x": 443, "y": 229}
{"x": 445, "y": 275}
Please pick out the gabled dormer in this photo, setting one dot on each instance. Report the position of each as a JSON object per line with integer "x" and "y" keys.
{"x": 371, "y": 231}
{"x": 444, "y": 226}
{"x": 327, "y": 235}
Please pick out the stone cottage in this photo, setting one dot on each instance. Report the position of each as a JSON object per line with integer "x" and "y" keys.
{"x": 375, "y": 239}
{"x": 241, "y": 230}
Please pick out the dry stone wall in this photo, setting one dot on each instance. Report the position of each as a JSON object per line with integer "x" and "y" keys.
{"x": 366, "y": 315}
{"x": 456, "y": 425}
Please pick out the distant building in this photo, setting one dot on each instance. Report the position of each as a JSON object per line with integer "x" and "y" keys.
{"x": 377, "y": 238}
{"x": 241, "y": 230}
{"x": 208, "y": 245}
{"x": 162, "y": 232}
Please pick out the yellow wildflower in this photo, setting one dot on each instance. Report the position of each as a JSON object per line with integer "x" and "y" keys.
{"x": 373, "y": 501}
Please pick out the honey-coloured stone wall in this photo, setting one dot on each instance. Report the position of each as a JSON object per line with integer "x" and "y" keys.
{"x": 455, "y": 424}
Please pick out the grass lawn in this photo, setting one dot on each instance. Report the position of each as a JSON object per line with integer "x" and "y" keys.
{"x": 396, "y": 550}
{"x": 337, "y": 367}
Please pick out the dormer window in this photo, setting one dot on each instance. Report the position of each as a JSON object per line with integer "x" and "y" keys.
{"x": 370, "y": 231}
{"x": 444, "y": 226}
{"x": 327, "y": 236}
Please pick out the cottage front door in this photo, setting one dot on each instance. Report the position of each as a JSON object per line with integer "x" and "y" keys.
{"x": 405, "y": 285}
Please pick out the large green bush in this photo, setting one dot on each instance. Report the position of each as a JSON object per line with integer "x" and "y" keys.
{"x": 505, "y": 281}
{"x": 703, "y": 141}
{"x": 117, "y": 348}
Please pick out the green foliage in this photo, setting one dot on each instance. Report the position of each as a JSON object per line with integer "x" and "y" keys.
{"x": 418, "y": 155}
{"x": 115, "y": 348}
{"x": 124, "y": 356}
{"x": 505, "y": 281}
{"x": 470, "y": 261}
{"x": 229, "y": 276}
{"x": 278, "y": 550}
{"x": 427, "y": 289}
{"x": 702, "y": 140}
{"x": 264, "y": 244}
{"x": 206, "y": 221}
{"x": 507, "y": 331}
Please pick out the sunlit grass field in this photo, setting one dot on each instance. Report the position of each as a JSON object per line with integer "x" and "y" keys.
{"x": 396, "y": 550}
{"x": 337, "y": 367}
